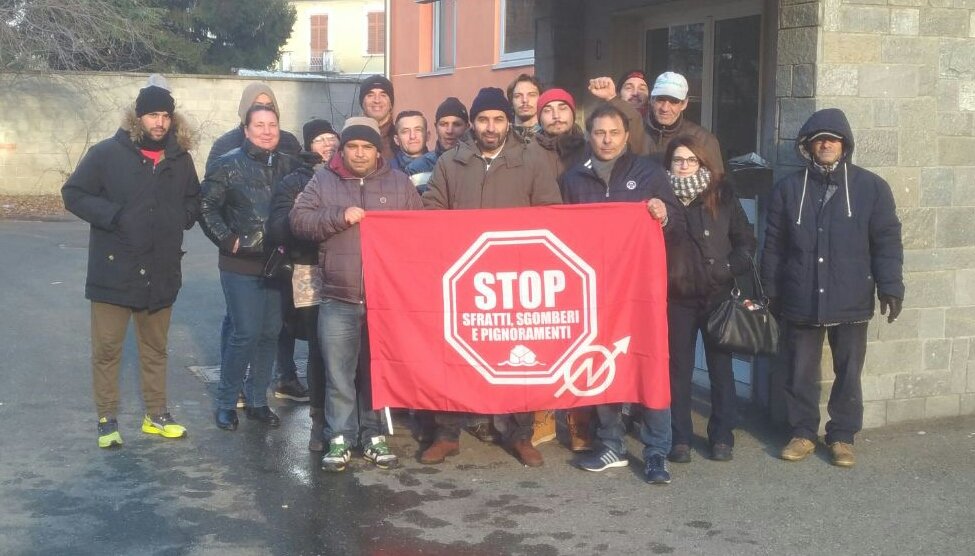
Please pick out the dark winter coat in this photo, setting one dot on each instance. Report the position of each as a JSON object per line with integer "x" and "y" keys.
{"x": 561, "y": 152}
{"x": 319, "y": 215}
{"x": 517, "y": 178}
{"x": 288, "y": 144}
{"x": 634, "y": 178}
{"x": 725, "y": 245}
{"x": 825, "y": 264}
{"x": 236, "y": 201}
{"x": 278, "y": 225}
{"x": 658, "y": 137}
{"x": 137, "y": 213}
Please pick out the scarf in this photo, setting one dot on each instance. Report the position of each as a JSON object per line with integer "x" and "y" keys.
{"x": 688, "y": 188}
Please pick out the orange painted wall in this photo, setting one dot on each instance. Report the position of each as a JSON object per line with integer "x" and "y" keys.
{"x": 411, "y": 55}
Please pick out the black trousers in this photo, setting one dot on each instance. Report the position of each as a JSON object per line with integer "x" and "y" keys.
{"x": 520, "y": 425}
{"x": 684, "y": 321}
{"x": 848, "y": 343}
{"x": 316, "y": 363}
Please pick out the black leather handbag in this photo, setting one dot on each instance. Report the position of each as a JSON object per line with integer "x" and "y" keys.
{"x": 277, "y": 266}
{"x": 745, "y": 325}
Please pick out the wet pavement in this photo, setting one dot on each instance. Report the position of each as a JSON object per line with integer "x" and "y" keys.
{"x": 258, "y": 491}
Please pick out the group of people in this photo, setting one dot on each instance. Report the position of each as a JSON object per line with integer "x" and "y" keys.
{"x": 833, "y": 242}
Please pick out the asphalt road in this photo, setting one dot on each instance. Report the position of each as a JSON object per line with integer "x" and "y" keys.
{"x": 260, "y": 492}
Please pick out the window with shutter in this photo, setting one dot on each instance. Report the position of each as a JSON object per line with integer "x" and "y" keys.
{"x": 319, "y": 41}
{"x": 377, "y": 33}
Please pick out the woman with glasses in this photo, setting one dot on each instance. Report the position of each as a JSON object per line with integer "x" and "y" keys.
{"x": 720, "y": 244}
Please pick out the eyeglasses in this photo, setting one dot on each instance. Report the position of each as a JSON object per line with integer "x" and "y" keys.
{"x": 680, "y": 161}
{"x": 319, "y": 140}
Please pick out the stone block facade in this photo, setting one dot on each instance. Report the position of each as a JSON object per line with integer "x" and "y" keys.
{"x": 48, "y": 121}
{"x": 904, "y": 73}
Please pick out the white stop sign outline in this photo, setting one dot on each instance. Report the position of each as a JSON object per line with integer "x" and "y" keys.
{"x": 574, "y": 263}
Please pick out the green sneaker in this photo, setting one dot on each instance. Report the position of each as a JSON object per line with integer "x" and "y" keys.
{"x": 164, "y": 425}
{"x": 338, "y": 455}
{"x": 378, "y": 452}
{"x": 108, "y": 435}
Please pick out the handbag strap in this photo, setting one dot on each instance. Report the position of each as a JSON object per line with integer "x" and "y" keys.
{"x": 757, "y": 281}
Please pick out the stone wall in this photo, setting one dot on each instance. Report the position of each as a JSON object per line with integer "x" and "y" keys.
{"x": 904, "y": 73}
{"x": 48, "y": 121}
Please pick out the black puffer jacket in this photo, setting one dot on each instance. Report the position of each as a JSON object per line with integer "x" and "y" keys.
{"x": 234, "y": 138}
{"x": 634, "y": 178}
{"x": 236, "y": 201}
{"x": 832, "y": 238}
{"x": 726, "y": 244}
{"x": 137, "y": 215}
{"x": 278, "y": 225}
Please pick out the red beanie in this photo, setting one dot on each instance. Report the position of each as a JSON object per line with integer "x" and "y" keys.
{"x": 553, "y": 95}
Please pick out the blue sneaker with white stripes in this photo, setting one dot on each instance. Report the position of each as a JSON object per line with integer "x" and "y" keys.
{"x": 601, "y": 461}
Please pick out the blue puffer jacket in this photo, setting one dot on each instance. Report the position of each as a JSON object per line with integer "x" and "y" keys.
{"x": 832, "y": 238}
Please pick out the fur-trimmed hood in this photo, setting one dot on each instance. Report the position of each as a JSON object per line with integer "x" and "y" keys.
{"x": 185, "y": 137}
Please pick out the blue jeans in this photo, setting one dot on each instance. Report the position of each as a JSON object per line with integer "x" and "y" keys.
{"x": 655, "y": 432}
{"x": 254, "y": 312}
{"x": 344, "y": 342}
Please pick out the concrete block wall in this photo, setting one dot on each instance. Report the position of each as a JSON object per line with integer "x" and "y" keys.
{"x": 904, "y": 73}
{"x": 48, "y": 121}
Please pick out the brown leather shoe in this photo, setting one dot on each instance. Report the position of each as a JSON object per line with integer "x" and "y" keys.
{"x": 526, "y": 453}
{"x": 580, "y": 435}
{"x": 439, "y": 451}
{"x": 841, "y": 454}
{"x": 798, "y": 449}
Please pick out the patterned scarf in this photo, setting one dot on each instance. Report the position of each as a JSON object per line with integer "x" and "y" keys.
{"x": 687, "y": 189}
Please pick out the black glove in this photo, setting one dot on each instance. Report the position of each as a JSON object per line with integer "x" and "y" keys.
{"x": 891, "y": 303}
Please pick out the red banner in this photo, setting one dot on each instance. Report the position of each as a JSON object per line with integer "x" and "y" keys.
{"x": 500, "y": 311}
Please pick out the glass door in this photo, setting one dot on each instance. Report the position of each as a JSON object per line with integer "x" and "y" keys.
{"x": 721, "y": 60}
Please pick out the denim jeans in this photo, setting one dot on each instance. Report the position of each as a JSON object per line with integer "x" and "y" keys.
{"x": 344, "y": 342}
{"x": 254, "y": 312}
{"x": 655, "y": 432}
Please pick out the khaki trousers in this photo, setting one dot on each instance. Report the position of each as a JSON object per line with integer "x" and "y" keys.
{"x": 108, "y": 326}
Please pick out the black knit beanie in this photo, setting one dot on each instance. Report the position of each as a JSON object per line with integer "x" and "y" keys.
{"x": 154, "y": 99}
{"x": 491, "y": 98}
{"x": 314, "y": 128}
{"x": 376, "y": 82}
{"x": 452, "y": 106}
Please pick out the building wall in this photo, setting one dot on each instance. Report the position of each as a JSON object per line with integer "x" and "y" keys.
{"x": 48, "y": 121}
{"x": 476, "y": 63}
{"x": 347, "y": 29}
{"x": 904, "y": 73}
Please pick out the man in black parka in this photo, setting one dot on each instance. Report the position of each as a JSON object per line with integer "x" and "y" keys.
{"x": 139, "y": 191}
{"x": 832, "y": 242}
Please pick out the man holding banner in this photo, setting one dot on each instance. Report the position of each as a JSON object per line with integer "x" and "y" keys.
{"x": 612, "y": 173}
{"x": 497, "y": 171}
{"x": 328, "y": 211}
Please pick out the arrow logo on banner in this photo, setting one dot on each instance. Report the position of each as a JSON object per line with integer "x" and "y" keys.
{"x": 608, "y": 366}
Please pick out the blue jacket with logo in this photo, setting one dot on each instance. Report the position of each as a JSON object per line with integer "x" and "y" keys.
{"x": 634, "y": 178}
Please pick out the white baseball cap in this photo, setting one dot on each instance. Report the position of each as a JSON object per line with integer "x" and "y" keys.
{"x": 670, "y": 84}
